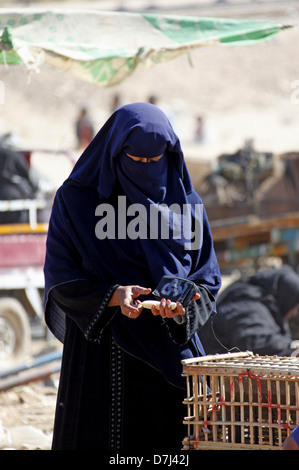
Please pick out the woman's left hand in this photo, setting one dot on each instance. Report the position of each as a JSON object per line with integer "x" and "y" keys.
{"x": 165, "y": 311}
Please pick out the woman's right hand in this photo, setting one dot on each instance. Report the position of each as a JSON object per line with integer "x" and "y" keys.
{"x": 125, "y": 297}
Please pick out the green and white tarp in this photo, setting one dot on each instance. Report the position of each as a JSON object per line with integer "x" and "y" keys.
{"x": 106, "y": 47}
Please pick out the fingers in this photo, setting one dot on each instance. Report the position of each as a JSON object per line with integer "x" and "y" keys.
{"x": 132, "y": 307}
{"x": 166, "y": 312}
{"x": 138, "y": 290}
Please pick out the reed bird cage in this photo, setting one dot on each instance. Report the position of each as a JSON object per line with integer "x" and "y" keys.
{"x": 240, "y": 401}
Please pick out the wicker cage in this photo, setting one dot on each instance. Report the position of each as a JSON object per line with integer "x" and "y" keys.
{"x": 240, "y": 400}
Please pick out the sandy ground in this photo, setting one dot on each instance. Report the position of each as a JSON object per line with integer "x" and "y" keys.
{"x": 27, "y": 414}
{"x": 242, "y": 92}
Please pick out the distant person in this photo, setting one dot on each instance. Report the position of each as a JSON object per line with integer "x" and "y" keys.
{"x": 254, "y": 315}
{"x": 292, "y": 441}
{"x": 121, "y": 384}
{"x": 16, "y": 181}
{"x": 84, "y": 129}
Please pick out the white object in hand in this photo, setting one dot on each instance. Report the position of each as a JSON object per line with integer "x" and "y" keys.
{"x": 156, "y": 303}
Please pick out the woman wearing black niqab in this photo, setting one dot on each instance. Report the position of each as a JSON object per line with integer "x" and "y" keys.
{"x": 121, "y": 386}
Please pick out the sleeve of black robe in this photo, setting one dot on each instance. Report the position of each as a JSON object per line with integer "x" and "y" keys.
{"x": 85, "y": 299}
{"x": 68, "y": 290}
{"x": 86, "y": 302}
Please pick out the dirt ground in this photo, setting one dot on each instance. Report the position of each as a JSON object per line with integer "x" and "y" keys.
{"x": 247, "y": 92}
{"x": 27, "y": 410}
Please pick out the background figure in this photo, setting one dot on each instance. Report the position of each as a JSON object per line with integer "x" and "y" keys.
{"x": 254, "y": 315}
{"x": 84, "y": 129}
{"x": 152, "y": 99}
{"x": 292, "y": 441}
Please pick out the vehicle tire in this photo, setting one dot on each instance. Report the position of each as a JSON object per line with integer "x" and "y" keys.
{"x": 15, "y": 333}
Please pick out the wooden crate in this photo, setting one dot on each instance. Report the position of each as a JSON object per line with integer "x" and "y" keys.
{"x": 240, "y": 400}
